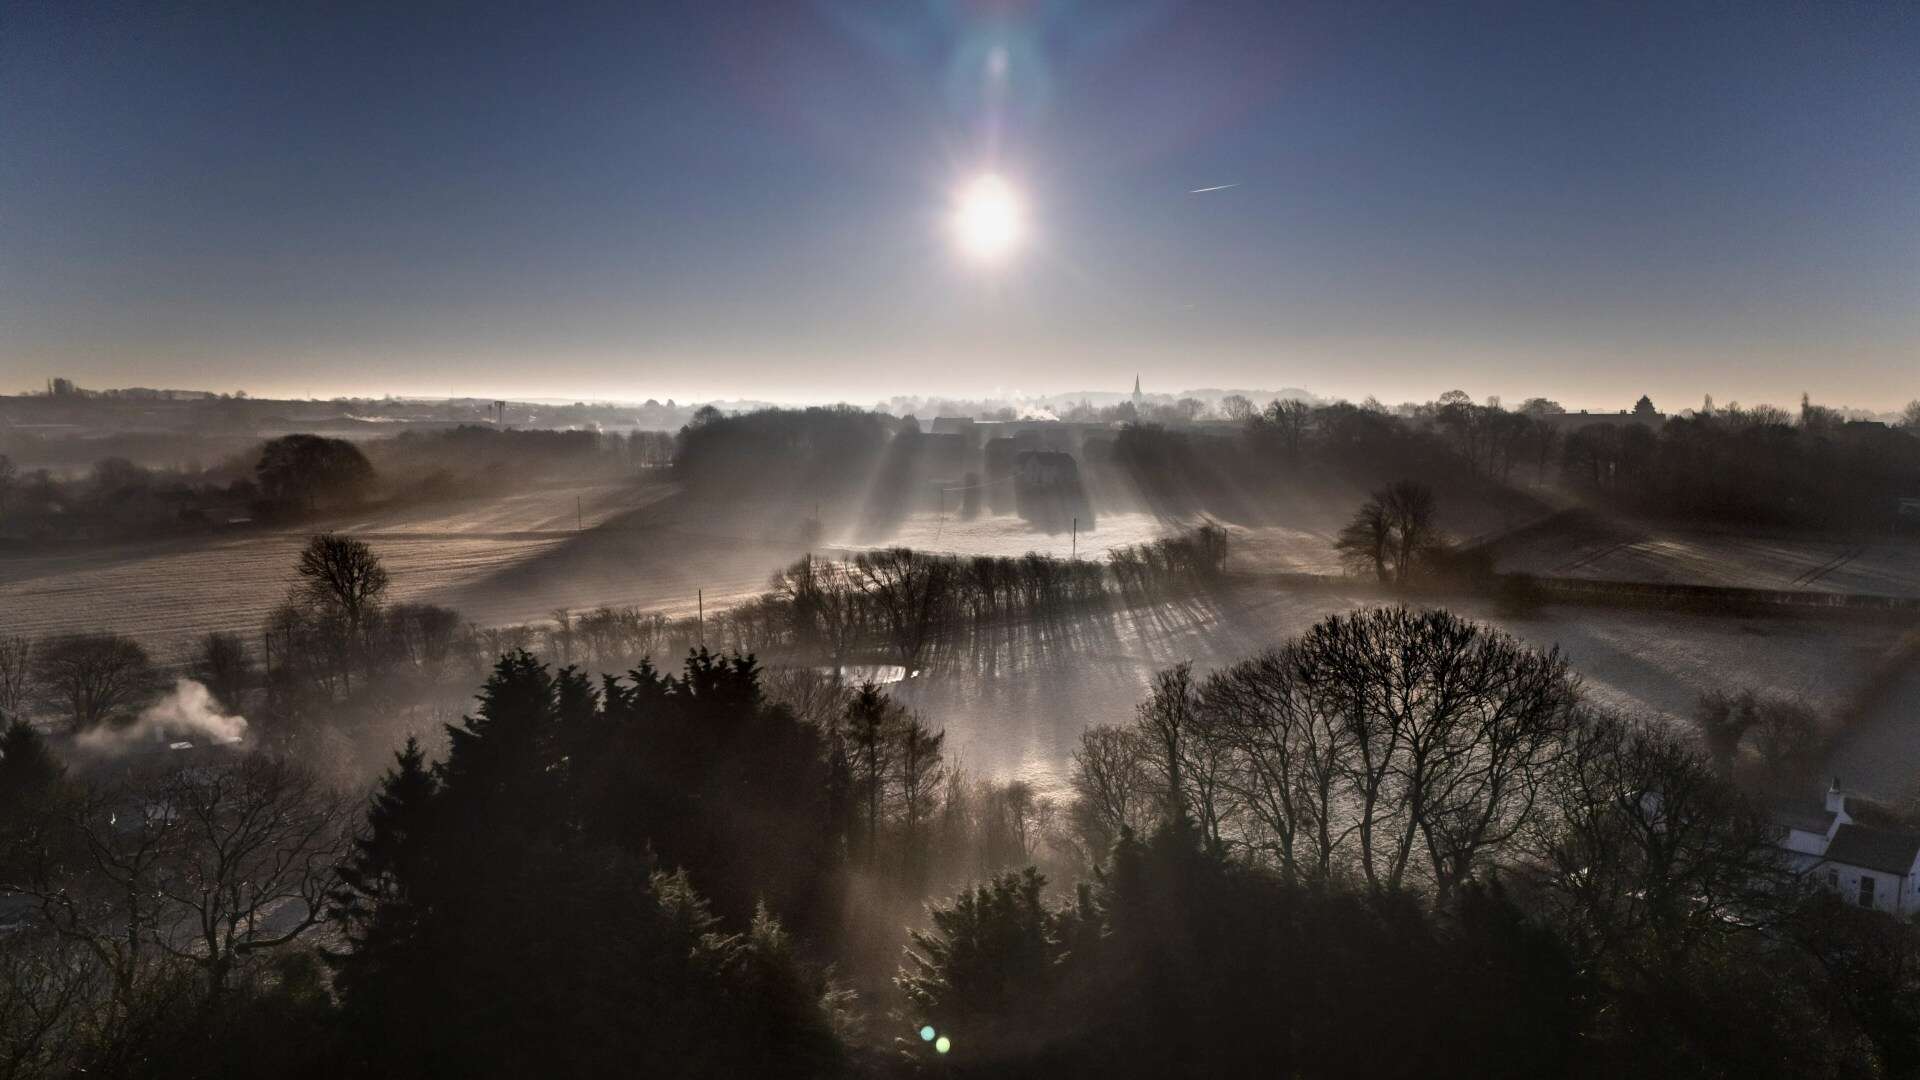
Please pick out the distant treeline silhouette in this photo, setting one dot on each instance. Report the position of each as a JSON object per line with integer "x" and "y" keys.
{"x": 1729, "y": 464}
{"x": 1751, "y": 466}
{"x": 293, "y": 476}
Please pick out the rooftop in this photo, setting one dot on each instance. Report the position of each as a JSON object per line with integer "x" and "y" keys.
{"x": 1804, "y": 816}
{"x": 1876, "y": 849}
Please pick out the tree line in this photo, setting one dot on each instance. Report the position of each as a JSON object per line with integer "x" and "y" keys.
{"x": 1751, "y": 466}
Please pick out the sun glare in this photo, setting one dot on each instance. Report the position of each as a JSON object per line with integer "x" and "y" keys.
{"x": 987, "y": 219}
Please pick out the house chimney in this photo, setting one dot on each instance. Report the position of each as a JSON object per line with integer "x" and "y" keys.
{"x": 1836, "y": 799}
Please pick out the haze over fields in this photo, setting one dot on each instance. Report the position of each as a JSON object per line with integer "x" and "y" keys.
{"x": 1016, "y": 702}
{"x": 980, "y": 539}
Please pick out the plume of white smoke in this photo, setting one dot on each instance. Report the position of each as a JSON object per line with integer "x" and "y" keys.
{"x": 186, "y": 715}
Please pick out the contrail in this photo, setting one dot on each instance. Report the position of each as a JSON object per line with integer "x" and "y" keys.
{"x": 1216, "y": 187}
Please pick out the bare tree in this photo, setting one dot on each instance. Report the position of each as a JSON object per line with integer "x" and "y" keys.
{"x": 1290, "y": 420}
{"x": 207, "y": 866}
{"x": 93, "y": 677}
{"x": 1367, "y": 541}
{"x": 1786, "y": 735}
{"x": 815, "y": 698}
{"x": 251, "y": 859}
{"x": 1399, "y": 746}
{"x": 1236, "y": 407}
{"x": 341, "y": 576}
{"x": 1391, "y": 532}
{"x": 1643, "y": 845}
{"x": 342, "y": 573}
{"x": 908, "y": 591}
{"x": 1114, "y": 791}
{"x": 1023, "y": 819}
{"x": 819, "y": 606}
{"x": 1410, "y": 508}
{"x": 1190, "y": 762}
{"x": 1291, "y": 742}
{"x": 225, "y": 667}
{"x": 1451, "y": 725}
{"x": 424, "y": 636}
{"x": 48, "y": 989}
{"x": 920, "y": 772}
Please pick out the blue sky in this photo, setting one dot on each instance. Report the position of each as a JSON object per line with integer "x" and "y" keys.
{"x": 717, "y": 199}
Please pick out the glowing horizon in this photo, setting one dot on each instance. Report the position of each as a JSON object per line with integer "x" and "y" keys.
{"x": 774, "y": 205}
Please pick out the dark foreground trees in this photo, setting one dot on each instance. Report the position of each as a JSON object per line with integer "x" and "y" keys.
{"x": 161, "y": 917}
{"x": 515, "y": 910}
{"x": 1386, "y": 748}
{"x": 1393, "y": 846}
{"x": 1639, "y": 926}
{"x": 1180, "y": 963}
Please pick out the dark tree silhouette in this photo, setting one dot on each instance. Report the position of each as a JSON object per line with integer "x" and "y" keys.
{"x": 343, "y": 578}
{"x": 1392, "y": 532}
{"x": 28, "y": 769}
{"x": 304, "y": 470}
{"x": 538, "y": 820}
{"x": 342, "y": 573}
{"x": 16, "y": 676}
{"x": 225, "y": 667}
{"x": 94, "y": 678}
{"x": 988, "y": 965}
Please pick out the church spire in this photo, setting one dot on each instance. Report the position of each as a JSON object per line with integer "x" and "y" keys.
{"x": 1136, "y": 394}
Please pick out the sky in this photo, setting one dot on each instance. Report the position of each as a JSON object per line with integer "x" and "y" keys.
{"x": 720, "y": 199}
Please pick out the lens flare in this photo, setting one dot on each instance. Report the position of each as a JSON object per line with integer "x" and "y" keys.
{"x": 942, "y": 1044}
{"x": 926, "y": 1033}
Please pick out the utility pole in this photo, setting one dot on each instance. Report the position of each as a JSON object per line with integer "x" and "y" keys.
{"x": 700, "y": 626}
{"x": 1076, "y": 538}
{"x": 577, "y": 526}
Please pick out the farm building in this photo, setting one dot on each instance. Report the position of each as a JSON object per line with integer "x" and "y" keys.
{"x": 1869, "y": 866}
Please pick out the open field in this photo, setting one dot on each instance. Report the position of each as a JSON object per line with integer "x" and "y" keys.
{"x": 1008, "y": 535}
{"x": 1014, "y": 700}
{"x": 503, "y": 560}
{"x": 1586, "y": 546}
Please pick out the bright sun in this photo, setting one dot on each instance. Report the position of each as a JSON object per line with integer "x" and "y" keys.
{"x": 987, "y": 218}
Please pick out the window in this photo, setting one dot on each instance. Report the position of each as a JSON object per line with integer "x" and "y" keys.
{"x": 1833, "y": 879}
{"x": 1866, "y": 890}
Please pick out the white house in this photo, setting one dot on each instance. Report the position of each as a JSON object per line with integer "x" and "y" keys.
{"x": 1872, "y": 867}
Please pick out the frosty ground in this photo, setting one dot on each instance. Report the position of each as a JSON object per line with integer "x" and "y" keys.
{"x": 1015, "y": 699}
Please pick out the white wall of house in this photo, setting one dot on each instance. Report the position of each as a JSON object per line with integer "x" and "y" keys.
{"x": 1893, "y": 893}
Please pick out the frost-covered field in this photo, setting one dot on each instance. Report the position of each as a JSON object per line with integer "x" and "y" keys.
{"x": 511, "y": 559}
{"x": 1008, "y": 535}
{"x": 1594, "y": 549}
{"x": 1017, "y": 704}
{"x": 1265, "y": 548}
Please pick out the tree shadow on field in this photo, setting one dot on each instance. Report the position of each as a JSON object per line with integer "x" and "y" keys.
{"x": 662, "y": 556}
